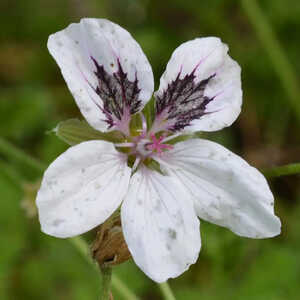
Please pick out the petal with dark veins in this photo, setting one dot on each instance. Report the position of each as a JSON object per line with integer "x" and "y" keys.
{"x": 78, "y": 50}
{"x": 200, "y": 89}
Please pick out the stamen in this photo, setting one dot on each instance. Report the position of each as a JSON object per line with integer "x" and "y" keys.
{"x": 157, "y": 145}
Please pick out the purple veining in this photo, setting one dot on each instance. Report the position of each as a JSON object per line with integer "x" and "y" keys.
{"x": 119, "y": 96}
{"x": 181, "y": 102}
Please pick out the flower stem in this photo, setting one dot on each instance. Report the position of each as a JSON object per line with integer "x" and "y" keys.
{"x": 166, "y": 291}
{"x": 290, "y": 169}
{"x": 279, "y": 60}
{"x": 80, "y": 244}
{"x": 18, "y": 155}
{"x": 7, "y": 170}
{"x": 122, "y": 289}
{"x": 106, "y": 272}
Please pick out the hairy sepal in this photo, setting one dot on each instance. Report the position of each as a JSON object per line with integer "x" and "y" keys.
{"x": 149, "y": 112}
{"x": 74, "y": 131}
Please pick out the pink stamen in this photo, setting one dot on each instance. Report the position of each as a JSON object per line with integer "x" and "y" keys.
{"x": 157, "y": 146}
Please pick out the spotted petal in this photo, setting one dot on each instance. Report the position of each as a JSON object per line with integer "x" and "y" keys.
{"x": 200, "y": 89}
{"x": 160, "y": 226}
{"x": 82, "y": 188}
{"x": 105, "y": 69}
{"x": 225, "y": 189}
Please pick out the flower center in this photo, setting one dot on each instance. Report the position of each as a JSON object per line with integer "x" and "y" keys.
{"x": 157, "y": 145}
{"x": 145, "y": 146}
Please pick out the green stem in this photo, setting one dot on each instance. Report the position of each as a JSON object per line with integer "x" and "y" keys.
{"x": 83, "y": 248}
{"x": 116, "y": 283}
{"x": 7, "y": 170}
{"x": 290, "y": 169}
{"x": 18, "y": 155}
{"x": 122, "y": 289}
{"x": 166, "y": 291}
{"x": 279, "y": 60}
{"x": 106, "y": 282}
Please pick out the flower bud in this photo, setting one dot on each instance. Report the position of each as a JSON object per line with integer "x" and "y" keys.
{"x": 109, "y": 247}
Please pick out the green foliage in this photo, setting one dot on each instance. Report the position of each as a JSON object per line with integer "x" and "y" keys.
{"x": 34, "y": 99}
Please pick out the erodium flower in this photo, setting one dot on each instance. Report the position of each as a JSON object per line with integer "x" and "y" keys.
{"x": 111, "y": 80}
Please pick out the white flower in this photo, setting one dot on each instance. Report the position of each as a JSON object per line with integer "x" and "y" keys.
{"x": 111, "y": 79}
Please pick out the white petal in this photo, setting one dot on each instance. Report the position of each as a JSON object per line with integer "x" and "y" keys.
{"x": 226, "y": 190}
{"x": 206, "y": 57}
{"x": 82, "y": 188}
{"x": 160, "y": 225}
{"x": 108, "y": 43}
{"x": 227, "y": 92}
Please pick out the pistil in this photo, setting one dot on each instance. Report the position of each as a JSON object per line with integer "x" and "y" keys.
{"x": 157, "y": 145}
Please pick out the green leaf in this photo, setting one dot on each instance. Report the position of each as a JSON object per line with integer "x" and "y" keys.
{"x": 75, "y": 131}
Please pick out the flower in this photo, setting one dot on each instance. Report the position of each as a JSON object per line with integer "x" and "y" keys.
{"x": 161, "y": 187}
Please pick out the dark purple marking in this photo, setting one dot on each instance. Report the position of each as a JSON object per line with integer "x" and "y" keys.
{"x": 183, "y": 101}
{"x": 117, "y": 93}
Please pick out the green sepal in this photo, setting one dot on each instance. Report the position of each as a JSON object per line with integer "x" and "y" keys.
{"x": 153, "y": 165}
{"x": 185, "y": 137}
{"x": 74, "y": 131}
{"x": 180, "y": 138}
{"x": 149, "y": 112}
{"x": 135, "y": 125}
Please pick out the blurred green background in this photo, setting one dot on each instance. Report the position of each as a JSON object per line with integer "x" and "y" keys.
{"x": 34, "y": 98}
